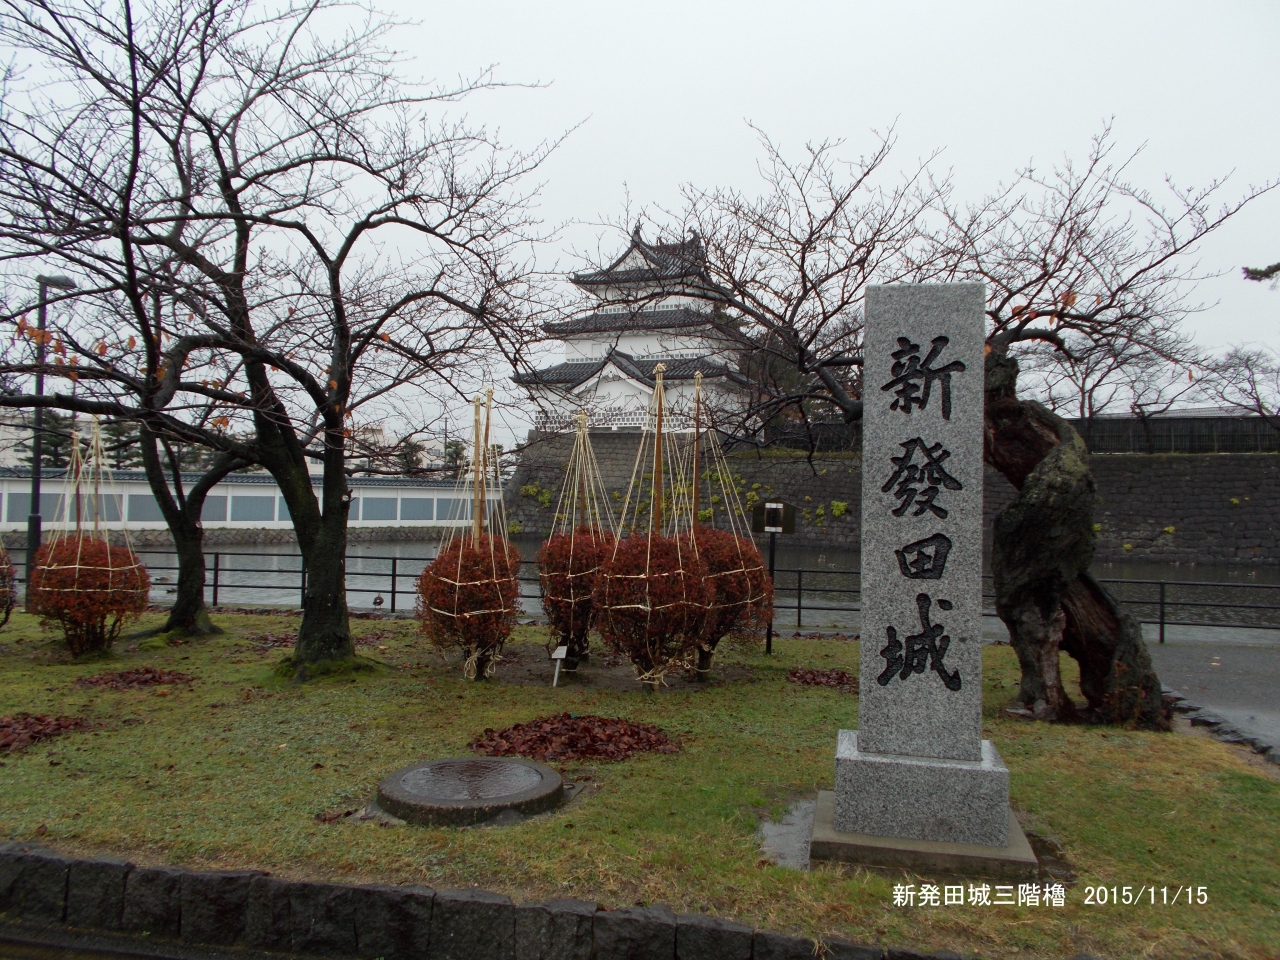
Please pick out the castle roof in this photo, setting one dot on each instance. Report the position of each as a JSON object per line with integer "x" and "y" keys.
{"x": 613, "y": 321}
{"x": 573, "y": 373}
{"x": 645, "y": 262}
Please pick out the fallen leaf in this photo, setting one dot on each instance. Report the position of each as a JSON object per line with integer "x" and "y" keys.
{"x": 839, "y": 679}
{"x": 566, "y": 737}
{"x": 137, "y": 677}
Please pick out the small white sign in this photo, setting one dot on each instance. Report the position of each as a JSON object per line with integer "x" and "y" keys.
{"x": 560, "y": 654}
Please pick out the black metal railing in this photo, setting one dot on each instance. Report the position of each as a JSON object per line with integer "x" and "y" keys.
{"x": 389, "y": 584}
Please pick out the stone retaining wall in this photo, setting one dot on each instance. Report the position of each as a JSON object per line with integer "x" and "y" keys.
{"x": 1196, "y": 508}
{"x": 105, "y": 903}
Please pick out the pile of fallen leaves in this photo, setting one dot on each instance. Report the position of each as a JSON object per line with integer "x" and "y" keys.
{"x": 132, "y": 679}
{"x": 567, "y": 737}
{"x": 22, "y": 729}
{"x": 839, "y": 679}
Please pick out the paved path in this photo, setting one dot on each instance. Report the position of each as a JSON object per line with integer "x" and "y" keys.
{"x": 1237, "y": 679}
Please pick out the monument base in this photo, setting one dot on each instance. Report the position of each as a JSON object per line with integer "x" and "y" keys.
{"x": 1013, "y": 861}
{"x": 921, "y": 798}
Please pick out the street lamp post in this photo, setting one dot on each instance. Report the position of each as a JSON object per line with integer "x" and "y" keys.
{"x": 55, "y": 282}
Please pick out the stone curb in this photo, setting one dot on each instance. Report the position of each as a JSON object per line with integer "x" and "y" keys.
{"x": 49, "y": 898}
{"x": 1219, "y": 727}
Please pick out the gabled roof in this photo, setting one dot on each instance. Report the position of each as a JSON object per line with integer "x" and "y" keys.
{"x": 574, "y": 373}
{"x": 649, "y": 263}
{"x": 567, "y": 374}
{"x": 678, "y": 318}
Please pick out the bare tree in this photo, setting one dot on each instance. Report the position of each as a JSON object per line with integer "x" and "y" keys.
{"x": 1248, "y": 378}
{"x": 1077, "y": 259}
{"x": 1075, "y": 255}
{"x": 317, "y": 240}
{"x": 1087, "y": 379}
{"x": 1082, "y": 381}
{"x": 1157, "y": 388}
{"x": 784, "y": 272}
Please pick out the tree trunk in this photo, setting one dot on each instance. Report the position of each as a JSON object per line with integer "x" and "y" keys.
{"x": 181, "y": 510}
{"x": 702, "y": 672}
{"x": 320, "y": 524}
{"x": 189, "y": 614}
{"x": 325, "y": 632}
{"x": 578, "y": 651}
{"x": 1042, "y": 547}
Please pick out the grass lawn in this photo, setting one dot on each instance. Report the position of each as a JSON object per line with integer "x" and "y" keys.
{"x": 233, "y": 771}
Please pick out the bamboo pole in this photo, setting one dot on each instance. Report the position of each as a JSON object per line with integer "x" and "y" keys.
{"x": 580, "y": 465}
{"x": 655, "y": 510}
{"x": 697, "y": 442}
{"x": 476, "y": 476}
{"x": 484, "y": 470}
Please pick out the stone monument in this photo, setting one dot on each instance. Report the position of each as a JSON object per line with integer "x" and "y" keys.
{"x": 916, "y": 782}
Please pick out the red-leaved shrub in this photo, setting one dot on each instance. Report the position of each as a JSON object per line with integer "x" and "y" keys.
{"x": 741, "y": 591}
{"x": 468, "y": 597}
{"x": 568, "y": 564}
{"x": 651, "y": 597}
{"x": 89, "y": 588}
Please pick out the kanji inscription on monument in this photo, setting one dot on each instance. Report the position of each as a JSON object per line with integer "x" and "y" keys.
{"x": 922, "y": 520}
{"x": 917, "y": 765}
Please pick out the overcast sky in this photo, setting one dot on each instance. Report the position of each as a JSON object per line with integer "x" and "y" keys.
{"x": 663, "y": 92}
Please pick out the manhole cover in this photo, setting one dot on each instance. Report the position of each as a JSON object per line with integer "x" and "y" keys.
{"x": 469, "y": 780}
{"x": 468, "y": 790}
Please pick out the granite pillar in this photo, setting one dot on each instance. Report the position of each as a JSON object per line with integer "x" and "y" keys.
{"x": 917, "y": 767}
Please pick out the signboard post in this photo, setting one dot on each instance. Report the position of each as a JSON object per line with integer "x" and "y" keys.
{"x": 772, "y": 517}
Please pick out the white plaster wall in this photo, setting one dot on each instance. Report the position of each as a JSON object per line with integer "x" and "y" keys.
{"x": 614, "y": 392}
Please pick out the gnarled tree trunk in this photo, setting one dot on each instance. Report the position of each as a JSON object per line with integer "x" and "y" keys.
{"x": 1042, "y": 547}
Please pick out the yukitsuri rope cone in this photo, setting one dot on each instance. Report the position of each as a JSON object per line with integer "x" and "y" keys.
{"x": 468, "y": 597}
{"x": 741, "y": 593}
{"x": 582, "y": 538}
{"x": 651, "y": 594}
{"x": 81, "y": 582}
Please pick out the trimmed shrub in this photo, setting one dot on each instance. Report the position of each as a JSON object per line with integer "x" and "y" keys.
{"x": 568, "y": 564}
{"x": 89, "y": 588}
{"x": 741, "y": 601}
{"x": 651, "y": 597}
{"x": 468, "y": 598}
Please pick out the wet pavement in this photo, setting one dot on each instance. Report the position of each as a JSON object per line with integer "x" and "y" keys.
{"x": 1236, "y": 677}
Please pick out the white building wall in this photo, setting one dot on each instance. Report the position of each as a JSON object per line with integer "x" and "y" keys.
{"x": 129, "y": 504}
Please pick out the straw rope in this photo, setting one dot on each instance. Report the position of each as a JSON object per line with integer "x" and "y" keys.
{"x": 478, "y": 609}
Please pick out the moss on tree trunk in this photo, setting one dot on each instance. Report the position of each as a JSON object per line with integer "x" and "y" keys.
{"x": 1042, "y": 547}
